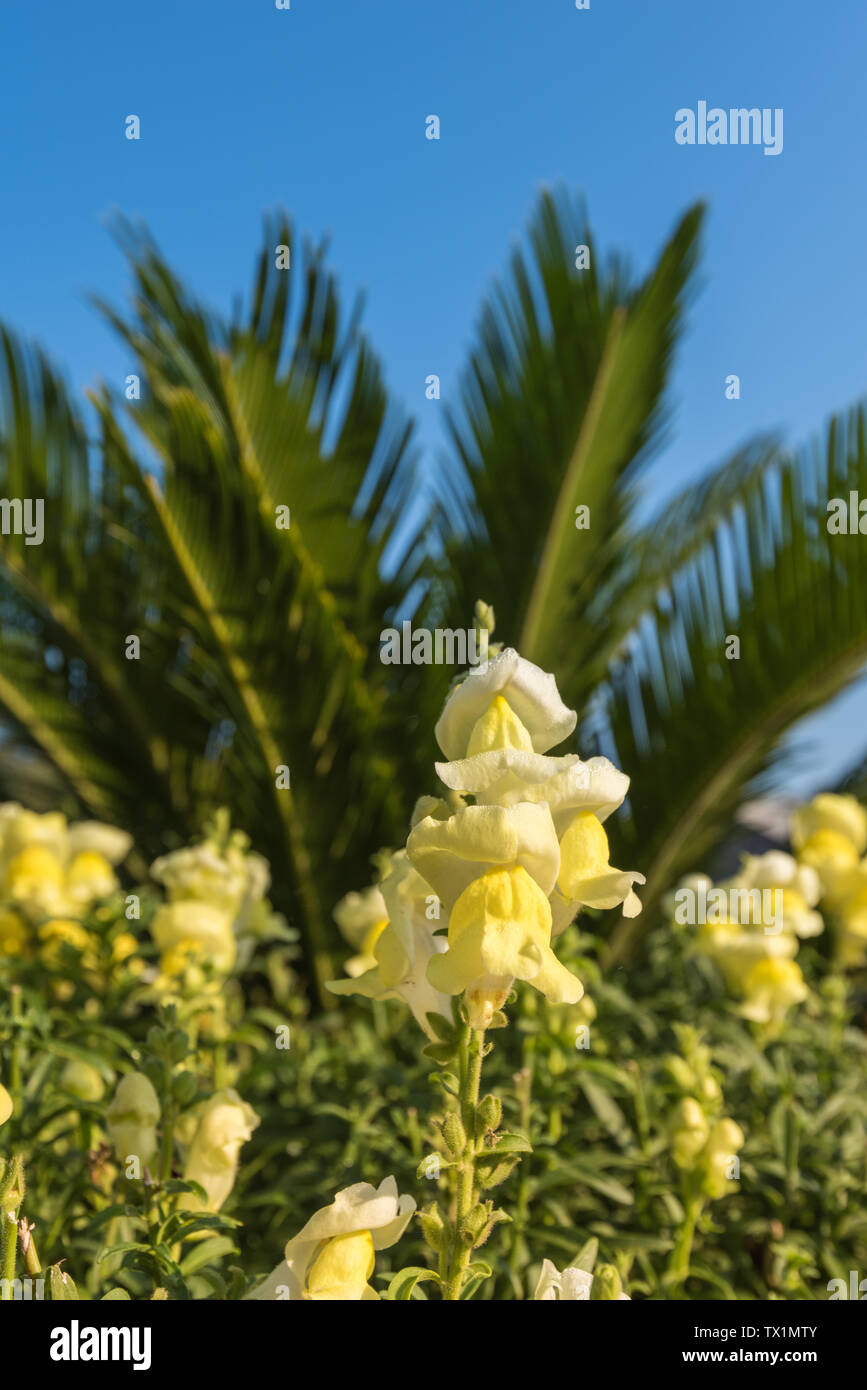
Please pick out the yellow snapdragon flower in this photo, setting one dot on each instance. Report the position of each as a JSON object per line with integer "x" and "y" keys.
{"x": 574, "y": 1285}
{"x": 48, "y": 867}
{"x": 188, "y": 932}
{"x": 770, "y": 988}
{"x": 333, "y": 1257}
{"x": 225, "y": 1123}
{"x": 830, "y": 835}
{"x": 499, "y": 931}
{"x": 529, "y": 693}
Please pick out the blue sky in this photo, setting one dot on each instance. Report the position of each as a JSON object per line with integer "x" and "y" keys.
{"x": 321, "y": 110}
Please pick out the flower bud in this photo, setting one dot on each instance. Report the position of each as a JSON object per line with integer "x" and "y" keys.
{"x": 132, "y": 1117}
{"x": 434, "y": 1229}
{"x": 484, "y": 615}
{"x": 474, "y": 1224}
{"x": 490, "y": 1112}
{"x": 689, "y": 1132}
{"x": 607, "y": 1284}
{"x": 454, "y": 1134}
{"x": 680, "y": 1072}
{"x": 82, "y": 1080}
{"x": 225, "y": 1123}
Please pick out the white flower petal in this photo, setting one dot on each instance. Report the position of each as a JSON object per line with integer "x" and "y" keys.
{"x": 531, "y": 692}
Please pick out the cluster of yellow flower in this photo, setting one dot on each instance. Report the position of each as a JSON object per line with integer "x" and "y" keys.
{"x": 772, "y": 906}
{"x": 754, "y": 942}
{"x": 59, "y": 891}
{"x": 56, "y": 880}
{"x": 51, "y": 876}
{"x": 704, "y": 1143}
{"x": 830, "y": 836}
{"x": 209, "y": 1136}
{"x": 510, "y": 869}
{"x": 215, "y": 894}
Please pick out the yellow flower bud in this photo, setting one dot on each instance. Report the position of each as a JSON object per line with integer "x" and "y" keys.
{"x": 6, "y": 1106}
{"x": 225, "y": 1123}
{"x": 724, "y": 1141}
{"x": 123, "y": 946}
{"x": 82, "y": 1080}
{"x": 690, "y": 1131}
{"x": 132, "y": 1118}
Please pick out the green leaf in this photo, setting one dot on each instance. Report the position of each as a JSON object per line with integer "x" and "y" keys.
{"x": 401, "y": 1287}
{"x": 206, "y": 1251}
{"x": 62, "y": 1285}
{"x": 474, "y": 1276}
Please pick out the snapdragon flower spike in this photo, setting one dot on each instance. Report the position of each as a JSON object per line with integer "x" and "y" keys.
{"x": 514, "y": 867}
{"x": 502, "y": 767}
{"x": 332, "y": 1258}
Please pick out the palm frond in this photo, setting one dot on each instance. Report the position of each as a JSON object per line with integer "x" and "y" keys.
{"x": 562, "y": 403}
{"x": 695, "y": 729}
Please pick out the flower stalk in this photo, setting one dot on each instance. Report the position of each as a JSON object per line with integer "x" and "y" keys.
{"x": 470, "y": 1056}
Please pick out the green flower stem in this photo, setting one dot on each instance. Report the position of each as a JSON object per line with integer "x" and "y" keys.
{"x": 168, "y": 1124}
{"x": 15, "y": 1059}
{"x": 470, "y": 1057}
{"x": 12, "y": 1184}
{"x": 680, "y": 1256}
{"x": 524, "y": 1091}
